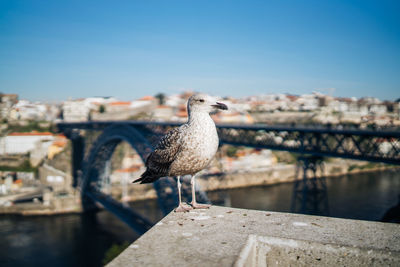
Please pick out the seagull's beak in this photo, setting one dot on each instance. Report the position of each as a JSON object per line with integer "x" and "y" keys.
{"x": 219, "y": 105}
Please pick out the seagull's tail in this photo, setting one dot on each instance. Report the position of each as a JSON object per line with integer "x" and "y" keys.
{"x": 147, "y": 177}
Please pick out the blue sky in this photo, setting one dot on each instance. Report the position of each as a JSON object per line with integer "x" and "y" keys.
{"x": 55, "y": 50}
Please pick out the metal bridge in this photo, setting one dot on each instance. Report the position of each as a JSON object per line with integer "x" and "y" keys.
{"x": 93, "y": 144}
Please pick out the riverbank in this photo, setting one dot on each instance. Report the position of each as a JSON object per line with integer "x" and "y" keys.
{"x": 280, "y": 173}
{"x": 57, "y": 206}
{"x": 285, "y": 173}
{"x": 277, "y": 174}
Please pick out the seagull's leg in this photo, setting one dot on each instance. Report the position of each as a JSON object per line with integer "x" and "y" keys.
{"x": 181, "y": 207}
{"x": 194, "y": 204}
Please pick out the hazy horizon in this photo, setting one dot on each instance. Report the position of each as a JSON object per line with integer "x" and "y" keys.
{"x": 167, "y": 94}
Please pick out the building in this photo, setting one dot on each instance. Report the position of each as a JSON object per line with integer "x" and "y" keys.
{"x": 23, "y": 143}
{"x": 58, "y": 180}
{"x": 7, "y": 101}
{"x": 233, "y": 117}
{"x": 57, "y": 146}
{"x": 75, "y": 110}
{"x": 25, "y": 110}
{"x": 123, "y": 110}
{"x": 163, "y": 113}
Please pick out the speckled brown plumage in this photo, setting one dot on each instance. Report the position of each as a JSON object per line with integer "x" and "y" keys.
{"x": 159, "y": 161}
{"x": 186, "y": 149}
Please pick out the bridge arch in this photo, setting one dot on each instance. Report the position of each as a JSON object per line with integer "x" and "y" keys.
{"x": 103, "y": 148}
{"x": 95, "y": 167}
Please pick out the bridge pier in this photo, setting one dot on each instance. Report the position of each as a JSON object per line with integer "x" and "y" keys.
{"x": 310, "y": 194}
{"x": 78, "y": 150}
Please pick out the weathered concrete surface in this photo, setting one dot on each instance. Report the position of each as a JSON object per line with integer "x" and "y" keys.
{"x": 217, "y": 236}
{"x": 275, "y": 251}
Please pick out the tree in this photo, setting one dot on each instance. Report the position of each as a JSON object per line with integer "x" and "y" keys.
{"x": 231, "y": 151}
{"x": 102, "y": 109}
{"x": 161, "y": 98}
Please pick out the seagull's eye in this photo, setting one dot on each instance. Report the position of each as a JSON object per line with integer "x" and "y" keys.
{"x": 201, "y": 100}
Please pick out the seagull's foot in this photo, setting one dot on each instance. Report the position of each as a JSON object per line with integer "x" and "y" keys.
{"x": 196, "y": 205}
{"x": 183, "y": 208}
{"x": 186, "y": 205}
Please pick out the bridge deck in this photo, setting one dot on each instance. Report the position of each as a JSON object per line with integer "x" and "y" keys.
{"x": 369, "y": 145}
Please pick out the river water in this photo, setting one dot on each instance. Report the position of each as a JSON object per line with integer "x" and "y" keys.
{"x": 83, "y": 239}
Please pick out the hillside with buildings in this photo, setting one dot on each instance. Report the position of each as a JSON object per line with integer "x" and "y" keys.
{"x": 34, "y": 157}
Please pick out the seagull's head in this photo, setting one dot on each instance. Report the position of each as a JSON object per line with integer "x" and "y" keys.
{"x": 204, "y": 103}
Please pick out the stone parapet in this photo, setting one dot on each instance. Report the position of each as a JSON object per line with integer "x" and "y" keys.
{"x": 226, "y": 236}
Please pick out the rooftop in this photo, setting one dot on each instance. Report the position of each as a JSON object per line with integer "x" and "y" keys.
{"x": 120, "y": 103}
{"x": 34, "y": 133}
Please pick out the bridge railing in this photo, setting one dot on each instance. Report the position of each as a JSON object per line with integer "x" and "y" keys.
{"x": 377, "y": 146}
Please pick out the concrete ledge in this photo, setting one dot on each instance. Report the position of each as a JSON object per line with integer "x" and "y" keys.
{"x": 216, "y": 237}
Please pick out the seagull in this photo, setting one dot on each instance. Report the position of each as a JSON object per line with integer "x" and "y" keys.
{"x": 187, "y": 149}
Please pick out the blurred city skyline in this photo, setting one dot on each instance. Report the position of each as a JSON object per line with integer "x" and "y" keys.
{"x": 56, "y": 51}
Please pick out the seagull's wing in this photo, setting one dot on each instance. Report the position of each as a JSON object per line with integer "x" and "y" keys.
{"x": 160, "y": 160}
{"x": 165, "y": 151}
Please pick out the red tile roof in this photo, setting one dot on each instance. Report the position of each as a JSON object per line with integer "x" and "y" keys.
{"x": 34, "y": 133}
{"x": 128, "y": 170}
{"x": 162, "y": 106}
{"x": 147, "y": 97}
{"x": 120, "y": 103}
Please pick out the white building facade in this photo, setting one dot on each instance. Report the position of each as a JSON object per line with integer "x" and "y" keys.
{"x": 22, "y": 143}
